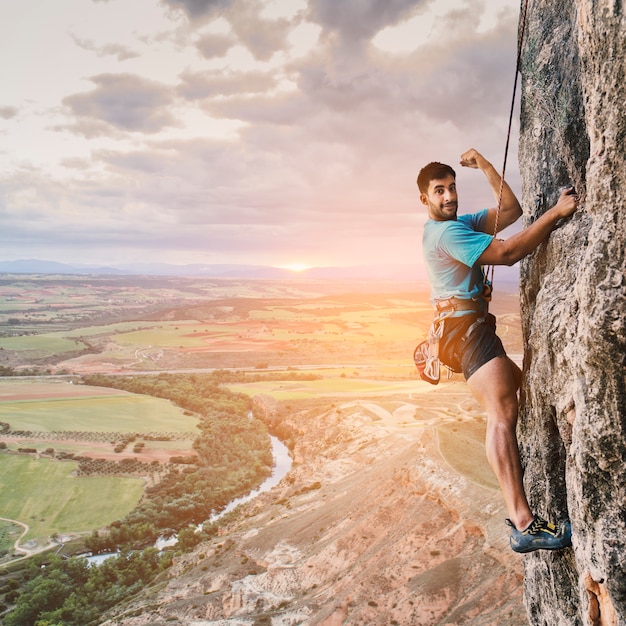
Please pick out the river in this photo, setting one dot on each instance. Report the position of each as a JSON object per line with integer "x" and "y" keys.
{"x": 282, "y": 465}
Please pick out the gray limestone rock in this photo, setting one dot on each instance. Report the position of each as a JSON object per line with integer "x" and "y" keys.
{"x": 572, "y": 427}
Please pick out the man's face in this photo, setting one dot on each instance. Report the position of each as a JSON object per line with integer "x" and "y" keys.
{"x": 441, "y": 199}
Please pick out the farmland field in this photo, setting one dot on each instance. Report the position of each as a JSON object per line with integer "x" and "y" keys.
{"x": 350, "y": 345}
{"x": 62, "y": 407}
{"x": 44, "y": 495}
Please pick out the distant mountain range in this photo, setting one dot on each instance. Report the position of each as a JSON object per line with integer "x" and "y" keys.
{"x": 504, "y": 275}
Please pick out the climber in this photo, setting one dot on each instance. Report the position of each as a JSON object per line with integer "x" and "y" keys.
{"x": 455, "y": 248}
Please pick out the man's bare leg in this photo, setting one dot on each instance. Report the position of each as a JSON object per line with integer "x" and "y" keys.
{"x": 495, "y": 386}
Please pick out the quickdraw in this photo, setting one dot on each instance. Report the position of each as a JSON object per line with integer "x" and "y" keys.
{"x": 426, "y": 355}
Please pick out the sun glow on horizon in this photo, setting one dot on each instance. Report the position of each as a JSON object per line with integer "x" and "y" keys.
{"x": 296, "y": 267}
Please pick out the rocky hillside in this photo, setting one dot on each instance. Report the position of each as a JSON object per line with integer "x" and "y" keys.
{"x": 573, "y": 428}
{"x": 390, "y": 515}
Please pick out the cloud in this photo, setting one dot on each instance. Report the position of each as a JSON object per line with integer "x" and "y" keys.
{"x": 328, "y": 141}
{"x": 211, "y": 84}
{"x": 123, "y": 101}
{"x": 8, "y": 112}
{"x": 263, "y": 37}
{"x": 260, "y": 35}
{"x": 213, "y": 45}
{"x": 120, "y": 52}
{"x": 358, "y": 21}
{"x": 195, "y": 9}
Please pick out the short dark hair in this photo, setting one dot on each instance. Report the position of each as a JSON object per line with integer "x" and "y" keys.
{"x": 433, "y": 171}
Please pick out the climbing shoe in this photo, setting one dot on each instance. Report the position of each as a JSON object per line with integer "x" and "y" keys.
{"x": 540, "y": 535}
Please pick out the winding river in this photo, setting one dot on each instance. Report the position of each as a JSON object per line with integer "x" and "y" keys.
{"x": 282, "y": 465}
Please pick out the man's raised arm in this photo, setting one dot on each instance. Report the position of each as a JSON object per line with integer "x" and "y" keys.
{"x": 510, "y": 209}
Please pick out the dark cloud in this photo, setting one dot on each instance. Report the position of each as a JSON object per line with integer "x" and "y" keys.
{"x": 199, "y": 8}
{"x": 8, "y": 112}
{"x": 262, "y": 37}
{"x": 123, "y": 101}
{"x": 361, "y": 19}
{"x": 465, "y": 78}
{"x": 213, "y": 45}
{"x": 464, "y": 85}
{"x": 469, "y": 84}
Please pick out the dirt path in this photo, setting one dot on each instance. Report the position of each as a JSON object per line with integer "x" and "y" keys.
{"x": 24, "y": 551}
{"x": 16, "y": 545}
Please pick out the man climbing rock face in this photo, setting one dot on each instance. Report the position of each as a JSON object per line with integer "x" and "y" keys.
{"x": 455, "y": 248}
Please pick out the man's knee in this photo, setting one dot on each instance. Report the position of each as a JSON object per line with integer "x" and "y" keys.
{"x": 503, "y": 414}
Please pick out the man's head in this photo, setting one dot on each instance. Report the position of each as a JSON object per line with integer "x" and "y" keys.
{"x": 433, "y": 171}
{"x": 437, "y": 185}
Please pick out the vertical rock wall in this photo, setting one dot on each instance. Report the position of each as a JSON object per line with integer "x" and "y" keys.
{"x": 573, "y": 297}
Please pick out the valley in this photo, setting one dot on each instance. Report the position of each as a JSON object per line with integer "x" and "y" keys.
{"x": 390, "y": 513}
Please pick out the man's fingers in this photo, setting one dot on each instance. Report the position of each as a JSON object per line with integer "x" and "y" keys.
{"x": 469, "y": 158}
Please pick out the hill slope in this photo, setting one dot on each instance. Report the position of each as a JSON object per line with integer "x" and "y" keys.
{"x": 372, "y": 526}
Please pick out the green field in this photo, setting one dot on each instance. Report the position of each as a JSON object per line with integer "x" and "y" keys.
{"x": 65, "y": 341}
{"x": 50, "y": 343}
{"x": 125, "y": 413}
{"x": 364, "y": 341}
{"x": 176, "y": 335}
{"x": 44, "y": 495}
{"x": 104, "y": 411}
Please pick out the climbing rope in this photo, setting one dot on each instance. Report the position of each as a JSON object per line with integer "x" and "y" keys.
{"x": 521, "y": 28}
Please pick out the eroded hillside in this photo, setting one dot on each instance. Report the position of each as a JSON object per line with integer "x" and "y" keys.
{"x": 389, "y": 516}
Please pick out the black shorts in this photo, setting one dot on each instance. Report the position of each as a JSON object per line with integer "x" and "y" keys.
{"x": 468, "y": 354}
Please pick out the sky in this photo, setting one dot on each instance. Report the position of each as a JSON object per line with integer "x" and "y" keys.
{"x": 264, "y": 132}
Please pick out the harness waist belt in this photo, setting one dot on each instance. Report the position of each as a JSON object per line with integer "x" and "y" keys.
{"x": 458, "y": 304}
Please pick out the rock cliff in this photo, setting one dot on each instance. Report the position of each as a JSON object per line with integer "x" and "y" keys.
{"x": 573, "y": 298}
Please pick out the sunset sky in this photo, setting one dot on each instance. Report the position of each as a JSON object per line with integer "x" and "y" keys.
{"x": 269, "y": 132}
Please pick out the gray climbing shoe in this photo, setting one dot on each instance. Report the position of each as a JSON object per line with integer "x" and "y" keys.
{"x": 540, "y": 535}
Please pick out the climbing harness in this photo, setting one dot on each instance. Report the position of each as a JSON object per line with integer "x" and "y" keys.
{"x": 451, "y": 305}
{"x": 426, "y": 355}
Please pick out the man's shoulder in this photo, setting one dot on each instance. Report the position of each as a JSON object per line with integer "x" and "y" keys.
{"x": 471, "y": 221}
{"x": 474, "y": 219}
{"x": 463, "y": 226}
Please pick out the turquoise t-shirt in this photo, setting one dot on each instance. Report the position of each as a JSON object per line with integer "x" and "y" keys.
{"x": 451, "y": 249}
